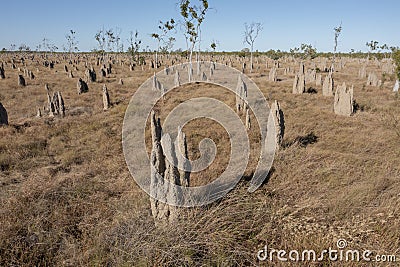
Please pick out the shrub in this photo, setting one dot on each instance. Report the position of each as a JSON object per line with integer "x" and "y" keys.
{"x": 396, "y": 58}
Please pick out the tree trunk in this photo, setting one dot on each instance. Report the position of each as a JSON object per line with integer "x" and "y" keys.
{"x": 251, "y": 58}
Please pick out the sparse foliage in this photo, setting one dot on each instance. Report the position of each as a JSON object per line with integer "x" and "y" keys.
{"x": 214, "y": 45}
{"x": 162, "y": 36}
{"x": 134, "y": 45}
{"x": 308, "y": 51}
{"x": 72, "y": 43}
{"x": 304, "y": 51}
{"x": 111, "y": 39}
{"x": 118, "y": 44}
{"x": 337, "y": 30}
{"x": 24, "y": 47}
{"x": 372, "y": 46}
{"x": 168, "y": 45}
{"x": 396, "y": 59}
{"x": 193, "y": 16}
{"x": 100, "y": 37}
{"x": 251, "y": 32}
{"x": 48, "y": 46}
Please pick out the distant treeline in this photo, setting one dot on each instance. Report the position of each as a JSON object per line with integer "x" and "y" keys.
{"x": 274, "y": 54}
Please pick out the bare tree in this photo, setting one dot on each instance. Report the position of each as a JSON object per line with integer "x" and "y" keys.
{"x": 45, "y": 44}
{"x": 134, "y": 45}
{"x": 72, "y": 43}
{"x": 168, "y": 45}
{"x": 100, "y": 37}
{"x": 52, "y": 48}
{"x": 118, "y": 43}
{"x": 250, "y": 35}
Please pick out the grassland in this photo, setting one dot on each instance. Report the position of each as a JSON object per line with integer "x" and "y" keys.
{"x": 68, "y": 199}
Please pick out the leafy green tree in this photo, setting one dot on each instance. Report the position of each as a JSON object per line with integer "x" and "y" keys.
{"x": 308, "y": 51}
{"x": 294, "y": 51}
{"x": 372, "y": 46}
{"x": 193, "y": 16}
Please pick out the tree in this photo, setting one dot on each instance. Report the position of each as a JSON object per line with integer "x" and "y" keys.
{"x": 337, "y": 30}
{"x": 52, "y": 48}
{"x": 134, "y": 43}
{"x": 24, "y": 47}
{"x": 294, "y": 51}
{"x": 12, "y": 47}
{"x": 214, "y": 45}
{"x": 393, "y": 49}
{"x": 371, "y": 46}
{"x": 193, "y": 16}
{"x": 396, "y": 59}
{"x": 168, "y": 45}
{"x": 163, "y": 34}
{"x": 308, "y": 51}
{"x": 384, "y": 48}
{"x": 45, "y": 44}
{"x": 72, "y": 44}
{"x": 100, "y": 37}
{"x": 250, "y": 34}
{"x": 118, "y": 43}
{"x": 110, "y": 40}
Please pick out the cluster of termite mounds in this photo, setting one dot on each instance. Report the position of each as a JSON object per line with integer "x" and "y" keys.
{"x": 169, "y": 157}
{"x": 55, "y": 103}
{"x": 343, "y": 97}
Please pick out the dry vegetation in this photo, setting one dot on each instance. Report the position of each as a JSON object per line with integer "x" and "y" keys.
{"x": 68, "y": 199}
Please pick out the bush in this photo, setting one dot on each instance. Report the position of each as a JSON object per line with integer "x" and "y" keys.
{"x": 396, "y": 58}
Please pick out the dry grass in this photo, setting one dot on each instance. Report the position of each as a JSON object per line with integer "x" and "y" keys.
{"x": 67, "y": 197}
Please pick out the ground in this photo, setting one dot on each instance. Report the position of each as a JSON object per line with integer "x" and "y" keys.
{"x": 68, "y": 199}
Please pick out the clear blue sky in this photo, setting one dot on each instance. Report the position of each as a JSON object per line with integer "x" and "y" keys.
{"x": 286, "y": 23}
